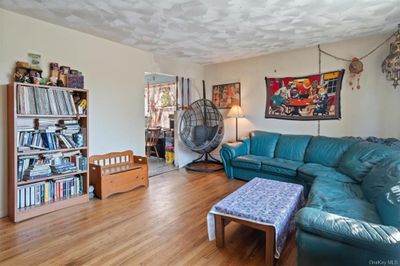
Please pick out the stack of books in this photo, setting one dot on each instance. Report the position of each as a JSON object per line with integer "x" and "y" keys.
{"x": 23, "y": 163}
{"x": 37, "y": 170}
{"x": 42, "y": 192}
{"x": 70, "y": 127}
{"x": 43, "y": 101}
{"x": 64, "y": 168}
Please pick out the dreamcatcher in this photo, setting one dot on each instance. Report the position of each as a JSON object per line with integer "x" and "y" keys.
{"x": 355, "y": 68}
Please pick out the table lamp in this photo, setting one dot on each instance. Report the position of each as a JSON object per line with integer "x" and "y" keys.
{"x": 236, "y": 112}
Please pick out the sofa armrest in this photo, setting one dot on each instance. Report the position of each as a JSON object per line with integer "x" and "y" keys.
{"x": 354, "y": 232}
{"x": 230, "y": 151}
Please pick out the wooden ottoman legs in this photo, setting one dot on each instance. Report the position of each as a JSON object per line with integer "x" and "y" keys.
{"x": 219, "y": 231}
{"x": 269, "y": 235}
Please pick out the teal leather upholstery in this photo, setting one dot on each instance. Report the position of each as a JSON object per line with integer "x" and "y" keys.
{"x": 376, "y": 238}
{"x": 352, "y": 216}
{"x": 263, "y": 143}
{"x": 280, "y": 166}
{"x": 388, "y": 205}
{"x": 326, "y": 150}
{"x": 310, "y": 171}
{"x": 359, "y": 159}
{"x": 292, "y": 147}
{"x": 249, "y": 161}
{"x": 344, "y": 199}
{"x": 230, "y": 151}
{"x": 383, "y": 174}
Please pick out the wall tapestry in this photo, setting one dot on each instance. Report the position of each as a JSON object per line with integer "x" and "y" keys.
{"x": 226, "y": 95}
{"x": 313, "y": 97}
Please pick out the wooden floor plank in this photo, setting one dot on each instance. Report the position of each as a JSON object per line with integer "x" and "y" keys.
{"x": 162, "y": 225}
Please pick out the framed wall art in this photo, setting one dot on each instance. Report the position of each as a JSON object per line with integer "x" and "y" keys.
{"x": 313, "y": 97}
{"x": 224, "y": 96}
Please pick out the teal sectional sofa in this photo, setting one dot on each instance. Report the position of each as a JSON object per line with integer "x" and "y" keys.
{"x": 352, "y": 215}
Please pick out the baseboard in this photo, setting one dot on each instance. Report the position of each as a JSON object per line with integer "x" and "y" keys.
{"x": 3, "y": 213}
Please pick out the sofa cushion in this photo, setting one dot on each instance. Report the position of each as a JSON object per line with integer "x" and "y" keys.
{"x": 263, "y": 143}
{"x": 248, "y": 161}
{"x": 280, "y": 166}
{"x": 384, "y": 173}
{"x": 310, "y": 171}
{"x": 292, "y": 147}
{"x": 388, "y": 205}
{"x": 359, "y": 159}
{"x": 345, "y": 199}
{"x": 326, "y": 190}
{"x": 327, "y": 151}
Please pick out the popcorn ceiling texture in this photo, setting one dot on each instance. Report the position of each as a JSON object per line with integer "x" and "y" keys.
{"x": 213, "y": 31}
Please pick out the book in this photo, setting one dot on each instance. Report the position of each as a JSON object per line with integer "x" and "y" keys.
{"x": 44, "y": 101}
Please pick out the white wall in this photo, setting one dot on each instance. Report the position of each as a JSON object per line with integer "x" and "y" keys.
{"x": 372, "y": 111}
{"x": 114, "y": 73}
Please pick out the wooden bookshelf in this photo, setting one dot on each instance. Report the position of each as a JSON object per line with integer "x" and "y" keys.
{"x": 20, "y": 214}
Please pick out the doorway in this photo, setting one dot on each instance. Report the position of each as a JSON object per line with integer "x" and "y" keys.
{"x": 160, "y": 106}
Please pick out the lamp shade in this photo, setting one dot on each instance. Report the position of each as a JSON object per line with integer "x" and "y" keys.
{"x": 235, "y": 111}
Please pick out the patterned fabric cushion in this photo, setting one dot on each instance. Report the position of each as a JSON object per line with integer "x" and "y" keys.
{"x": 268, "y": 202}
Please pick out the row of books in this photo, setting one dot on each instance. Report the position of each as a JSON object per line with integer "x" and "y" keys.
{"x": 28, "y": 140}
{"x": 50, "y": 191}
{"x": 44, "y": 101}
{"x": 32, "y": 167}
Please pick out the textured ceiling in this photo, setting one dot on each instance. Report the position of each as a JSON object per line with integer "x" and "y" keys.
{"x": 210, "y": 31}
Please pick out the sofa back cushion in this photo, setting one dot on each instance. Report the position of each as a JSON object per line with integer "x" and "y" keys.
{"x": 326, "y": 150}
{"x": 388, "y": 205}
{"x": 263, "y": 143}
{"x": 292, "y": 147}
{"x": 385, "y": 173}
{"x": 359, "y": 159}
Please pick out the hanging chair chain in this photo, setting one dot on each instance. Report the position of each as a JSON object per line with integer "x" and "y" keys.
{"x": 362, "y": 57}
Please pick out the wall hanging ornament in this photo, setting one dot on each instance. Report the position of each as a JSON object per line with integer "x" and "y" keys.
{"x": 312, "y": 97}
{"x": 391, "y": 64}
{"x": 355, "y": 68}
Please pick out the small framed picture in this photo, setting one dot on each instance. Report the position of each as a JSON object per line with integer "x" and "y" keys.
{"x": 65, "y": 70}
{"x": 34, "y": 61}
{"x": 224, "y": 96}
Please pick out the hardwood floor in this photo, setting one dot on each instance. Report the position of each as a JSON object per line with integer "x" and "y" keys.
{"x": 164, "y": 224}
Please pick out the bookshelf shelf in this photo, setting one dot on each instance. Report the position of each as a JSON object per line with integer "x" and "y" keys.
{"x": 37, "y": 152}
{"x": 52, "y": 177}
{"x": 15, "y": 119}
{"x": 33, "y": 211}
{"x": 51, "y": 116}
{"x": 51, "y": 87}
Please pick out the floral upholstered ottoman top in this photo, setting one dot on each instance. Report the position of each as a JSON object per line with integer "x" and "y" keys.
{"x": 262, "y": 201}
